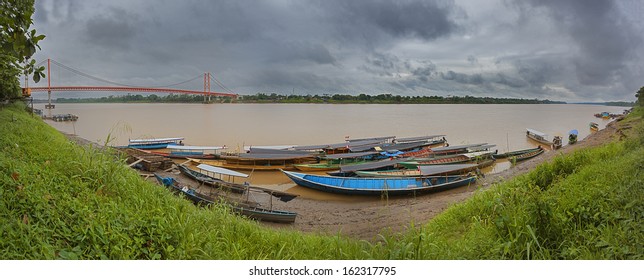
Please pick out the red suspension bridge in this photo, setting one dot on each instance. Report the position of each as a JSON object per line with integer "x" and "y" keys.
{"x": 117, "y": 87}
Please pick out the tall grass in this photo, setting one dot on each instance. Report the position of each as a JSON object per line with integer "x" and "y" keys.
{"x": 62, "y": 201}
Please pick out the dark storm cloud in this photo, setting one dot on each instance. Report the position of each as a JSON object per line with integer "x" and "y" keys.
{"x": 576, "y": 50}
{"x": 474, "y": 79}
{"x": 273, "y": 80}
{"x": 114, "y": 29}
{"x": 604, "y": 40}
{"x": 302, "y": 51}
{"x": 382, "y": 64}
{"x": 371, "y": 23}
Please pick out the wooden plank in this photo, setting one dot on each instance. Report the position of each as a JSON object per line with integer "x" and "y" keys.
{"x": 132, "y": 164}
{"x": 170, "y": 169}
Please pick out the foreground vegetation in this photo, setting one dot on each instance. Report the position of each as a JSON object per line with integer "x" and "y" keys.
{"x": 62, "y": 201}
{"x": 326, "y": 98}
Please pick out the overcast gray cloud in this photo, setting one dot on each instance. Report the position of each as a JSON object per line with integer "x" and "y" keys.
{"x": 560, "y": 50}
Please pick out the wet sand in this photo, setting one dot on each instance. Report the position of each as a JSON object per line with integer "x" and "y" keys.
{"x": 366, "y": 217}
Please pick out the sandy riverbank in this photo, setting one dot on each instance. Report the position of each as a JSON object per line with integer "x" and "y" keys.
{"x": 366, "y": 218}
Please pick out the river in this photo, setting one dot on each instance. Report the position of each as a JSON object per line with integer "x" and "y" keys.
{"x": 238, "y": 125}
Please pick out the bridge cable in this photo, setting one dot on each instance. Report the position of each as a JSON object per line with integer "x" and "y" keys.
{"x": 220, "y": 84}
{"x": 115, "y": 83}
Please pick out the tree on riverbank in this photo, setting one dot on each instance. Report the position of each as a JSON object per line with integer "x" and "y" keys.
{"x": 18, "y": 44}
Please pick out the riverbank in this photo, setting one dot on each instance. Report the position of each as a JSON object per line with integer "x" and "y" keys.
{"x": 65, "y": 201}
{"x": 367, "y": 218}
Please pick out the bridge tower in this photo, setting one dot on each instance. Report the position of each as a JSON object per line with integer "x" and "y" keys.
{"x": 206, "y": 87}
{"x": 49, "y": 105}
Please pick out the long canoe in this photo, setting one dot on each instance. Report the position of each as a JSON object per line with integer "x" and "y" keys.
{"x": 203, "y": 178}
{"x": 463, "y": 158}
{"x": 250, "y": 210}
{"x": 526, "y": 156}
{"x": 428, "y": 170}
{"x": 538, "y": 136}
{"x": 154, "y": 143}
{"x": 515, "y": 153}
{"x": 378, "y": 186}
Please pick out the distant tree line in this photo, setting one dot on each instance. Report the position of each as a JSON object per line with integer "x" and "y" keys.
{"x": 385, "y": 99}
{"x": 620, "y": 103}
{"x": 152, "y": 98}
{"x": 326, "y": 98}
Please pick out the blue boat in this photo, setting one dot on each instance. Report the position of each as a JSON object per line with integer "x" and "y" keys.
{"x": 155, "y": 143}
{"x": 379, "y": 186}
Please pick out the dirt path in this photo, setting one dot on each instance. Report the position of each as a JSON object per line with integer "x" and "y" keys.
{"x": 366, "y": 218}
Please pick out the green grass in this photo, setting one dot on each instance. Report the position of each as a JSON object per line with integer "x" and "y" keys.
{"x": 62, "y": 201}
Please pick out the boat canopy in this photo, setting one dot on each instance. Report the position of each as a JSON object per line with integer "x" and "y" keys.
{"x": 480, "y": 148}
{"x": 355, "y": 144}
{"x": 419, "y": 138}
{"x": 156, "y": 140}
{"x": 364, "y": 148}
{"x": 380, "y": 139}
{"x": 538, "y": 133}
{"x": 195, "y": 148}
{"x": 428, "y": 170}
{"x": 219, "y": 170}
{"x": 255, "y": 150}
{"x": 310, "y": 147}
{"x": 439, "y": 149}
{"x": 478, "y": 154}
{"x": 350, "y": 155}
{"x": 405, "y": 146}
{"x": 370, "y": 165}
{"x": 574, "y": 132}
{"x": 276, "y": 147}
{"x": 259, "y": 156}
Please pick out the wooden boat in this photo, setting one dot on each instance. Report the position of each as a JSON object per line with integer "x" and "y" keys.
{"x": 594, "y": 126}
{"x": 427, "y": 170}
{"x": 349, "y": 170}
{"x": 199, "y": 152}
{"x": 251, "y": 210}
{"x": 538, "y": 136}
{"x": 526, "y": 156}
{"x": 154, "y": 143}
{"x": 334, "y": 161}
{"x": 463, "y": 158}
{"x": 379, "y": 186}
{"x": 214, "y": 176}
{"x": 205, "y": 179}
{"x": 514, "y": 153}
{"x": 443, "y": 151}
{"x": 266, "y": 159}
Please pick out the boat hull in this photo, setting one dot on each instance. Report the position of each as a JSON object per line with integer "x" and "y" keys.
{"x": 378, "y": 186}
{"x": 149, "y": 146}
{"x": 253, "y": 212}
{"x": 526, "y": 156}
{"x": 514, "y": 153}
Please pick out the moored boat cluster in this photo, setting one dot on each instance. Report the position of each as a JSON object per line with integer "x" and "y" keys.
{"x": 369, "y": 166}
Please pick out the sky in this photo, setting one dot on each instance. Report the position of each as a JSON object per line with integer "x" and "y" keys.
{"x": 574, "y": 51}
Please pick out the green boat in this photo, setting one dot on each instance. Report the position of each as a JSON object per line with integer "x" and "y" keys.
{"x": 515, "y": 153}
{"x": 335, "y": 161}
{"x": 456, "y": 159}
